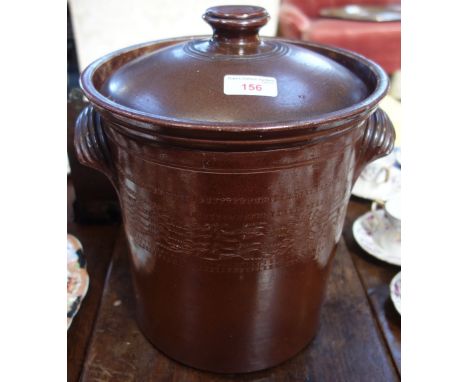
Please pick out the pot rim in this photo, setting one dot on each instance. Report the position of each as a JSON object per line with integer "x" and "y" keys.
{"x": 131, "y": 116}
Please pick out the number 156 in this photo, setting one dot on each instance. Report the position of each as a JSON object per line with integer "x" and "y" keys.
{"x": 257, "y": 87}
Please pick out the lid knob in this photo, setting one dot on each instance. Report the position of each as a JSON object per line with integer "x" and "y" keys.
{"x": 236, "y": 24}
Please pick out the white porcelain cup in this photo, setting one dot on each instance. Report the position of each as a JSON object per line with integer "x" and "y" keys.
{"x": 388, "y": 231}
{"x": 378, "y": 172}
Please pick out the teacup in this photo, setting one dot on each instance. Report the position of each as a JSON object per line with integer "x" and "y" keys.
{"x": 378, "y": 172}
{"x": 388, "y": 231}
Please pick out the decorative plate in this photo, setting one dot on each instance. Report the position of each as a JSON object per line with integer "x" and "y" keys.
{"x": 77, "y": 277}
{"x": 364, "y": 229}
{"x": 395, "y": 292}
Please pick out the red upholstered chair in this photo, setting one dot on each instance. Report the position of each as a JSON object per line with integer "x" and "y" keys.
{"x": 379, "y": 41}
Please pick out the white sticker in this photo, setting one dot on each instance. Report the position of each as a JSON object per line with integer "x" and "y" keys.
{"x": 250, "y": 85}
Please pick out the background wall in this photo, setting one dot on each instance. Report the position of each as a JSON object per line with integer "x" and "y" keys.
{"x": 101, "y": 26}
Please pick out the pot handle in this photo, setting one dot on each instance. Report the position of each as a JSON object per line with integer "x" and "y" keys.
{"x": 91, "y": 145}
{"x": 378, "y": 140}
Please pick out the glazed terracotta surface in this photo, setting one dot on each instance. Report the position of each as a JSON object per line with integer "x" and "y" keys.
{"x": 233, "y": 204}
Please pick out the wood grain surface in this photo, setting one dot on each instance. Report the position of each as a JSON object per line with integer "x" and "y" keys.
{"x": 98, "y": 244}
{"x": 375, "y": 276}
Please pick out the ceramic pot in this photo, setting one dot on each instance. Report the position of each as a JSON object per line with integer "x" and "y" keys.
{"x": 233, "y": 158}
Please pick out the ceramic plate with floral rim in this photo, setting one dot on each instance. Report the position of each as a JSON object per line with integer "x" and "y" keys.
{"x": 364, "y": 230}
{"x": 77, "y": 277}
{"x": 395, "y": 292}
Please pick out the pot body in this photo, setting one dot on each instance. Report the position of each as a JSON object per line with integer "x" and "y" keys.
{"x": 231, "y": 250}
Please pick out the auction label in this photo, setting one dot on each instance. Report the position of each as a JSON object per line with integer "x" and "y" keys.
{"x": 250, "y": 85}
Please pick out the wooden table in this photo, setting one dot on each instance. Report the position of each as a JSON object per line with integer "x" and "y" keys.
{"x": 358, "y": 339}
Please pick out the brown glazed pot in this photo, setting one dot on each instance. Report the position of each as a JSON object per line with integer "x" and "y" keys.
{"x": 233, "y": 204}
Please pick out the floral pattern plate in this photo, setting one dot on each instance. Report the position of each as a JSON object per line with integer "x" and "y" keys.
{"x": 364, "y": 230}
{"x": 395, "y": 292}
{"x": 77, "y": 277}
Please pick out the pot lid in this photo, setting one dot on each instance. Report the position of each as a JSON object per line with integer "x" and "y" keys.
{"x": 235, "y": 77}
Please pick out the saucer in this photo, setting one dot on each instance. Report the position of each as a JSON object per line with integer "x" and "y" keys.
{"x": 395, "y": 292}
{"x": 379, "y": 191}
{"x": 77, "y": 277}
{"x": 364, "y": 233}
